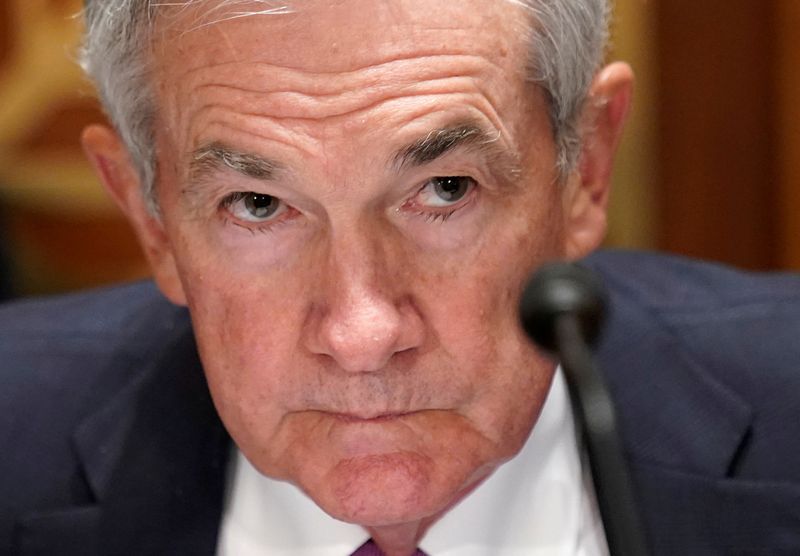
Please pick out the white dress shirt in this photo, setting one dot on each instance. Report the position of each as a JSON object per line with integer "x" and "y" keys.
{"x": 541, "y": 503}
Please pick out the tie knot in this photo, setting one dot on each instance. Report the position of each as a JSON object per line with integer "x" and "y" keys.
{"x": 369, "y": 548}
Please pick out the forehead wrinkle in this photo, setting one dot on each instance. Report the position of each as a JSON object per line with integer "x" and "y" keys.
{"x": 315, "y": 104}
{"x": 329, "y": 111}
{"x": 260, "y": 78}
{"x": 347, "y": 92}
{"x": 275, "y": 72}
{"x": 297, "y": 94}
{"x": 240, "y": 120}
{"x": 247, "y": 133}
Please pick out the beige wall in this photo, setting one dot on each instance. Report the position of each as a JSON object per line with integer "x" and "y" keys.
{"x": 43, "y": 102}
{"x": 632, "y": 221}
{"x": 58, "y": 227}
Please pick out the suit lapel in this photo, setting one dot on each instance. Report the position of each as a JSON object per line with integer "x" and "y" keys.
{"x": 154, "y": 457}
{"x": 672, "y": 411}
{"x": 683, "y": 431}
{"x": 170, "y": 472}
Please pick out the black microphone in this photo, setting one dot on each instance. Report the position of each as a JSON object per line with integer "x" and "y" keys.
{"x": 562, "y": 309}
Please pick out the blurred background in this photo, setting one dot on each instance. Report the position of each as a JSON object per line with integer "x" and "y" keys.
{"x": 710, "y": 165}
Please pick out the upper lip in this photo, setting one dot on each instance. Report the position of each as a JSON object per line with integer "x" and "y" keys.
{"x": 370, "y": 416}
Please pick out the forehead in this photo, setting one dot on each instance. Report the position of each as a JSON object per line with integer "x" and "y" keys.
{"x": 318, "y": 36}
{"x": 327, "y": 63}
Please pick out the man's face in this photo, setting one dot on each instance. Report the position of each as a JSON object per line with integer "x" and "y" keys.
{"x": 353, "y": 196}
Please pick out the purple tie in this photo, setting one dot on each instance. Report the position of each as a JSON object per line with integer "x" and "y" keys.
{"x": 370, "y": 549}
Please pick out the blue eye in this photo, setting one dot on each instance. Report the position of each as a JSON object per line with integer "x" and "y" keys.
{"x": 444, "y": 191}
{"x": 254, "y": 207}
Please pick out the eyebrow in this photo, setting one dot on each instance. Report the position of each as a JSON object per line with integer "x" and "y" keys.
{"x": 216, "y": 156}
{"x": 441, "y": 141}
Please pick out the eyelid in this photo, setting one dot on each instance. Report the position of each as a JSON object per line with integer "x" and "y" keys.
{"x": 472, "y": 185}
{"x": 463, "y": 162}
{"x": 436, "y": 214}
{"x": 281, "y": 215}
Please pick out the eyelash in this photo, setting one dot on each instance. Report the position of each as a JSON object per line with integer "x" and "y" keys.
{"x": 253, "y": 227}
{"x": 432, "y": 217}
{"x": 443, "y": 215}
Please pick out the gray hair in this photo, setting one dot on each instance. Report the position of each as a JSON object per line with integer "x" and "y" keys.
{"x": 567, "y": 45}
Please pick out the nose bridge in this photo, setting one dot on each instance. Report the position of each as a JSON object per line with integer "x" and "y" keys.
{"x": 357, "y": 261}
{"x": 362, "y": 322}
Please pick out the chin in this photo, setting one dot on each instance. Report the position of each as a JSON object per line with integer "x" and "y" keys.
{"x": 384, "y": 489}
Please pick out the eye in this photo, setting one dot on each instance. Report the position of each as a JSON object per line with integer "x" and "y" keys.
{"x": 254, "y": 207}
{"x": 445, "y": 191}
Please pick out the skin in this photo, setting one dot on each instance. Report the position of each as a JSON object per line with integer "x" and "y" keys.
{"x": 362, "y": 342}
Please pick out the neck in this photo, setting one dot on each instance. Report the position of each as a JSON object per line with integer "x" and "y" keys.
{"x": 400, "y": 540}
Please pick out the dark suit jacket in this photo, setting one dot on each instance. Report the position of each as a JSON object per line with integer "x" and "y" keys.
{"x": 109, "y": 442}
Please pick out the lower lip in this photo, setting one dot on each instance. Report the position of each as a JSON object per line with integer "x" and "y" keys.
{"x": 379, "y": 435}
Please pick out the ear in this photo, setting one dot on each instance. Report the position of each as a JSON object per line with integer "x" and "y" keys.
{"x": 586, "y": 197}
{"x": 113, "y": 166}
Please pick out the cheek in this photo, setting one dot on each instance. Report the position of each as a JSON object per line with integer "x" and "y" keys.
{"x": 473, "y": 298}
{"x": 247, "y": 334}
{"x": 507, "y": 375}
{"x": 472, "y": 308}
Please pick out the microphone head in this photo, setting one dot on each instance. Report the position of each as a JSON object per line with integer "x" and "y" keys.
{"x": 558, "y": 289}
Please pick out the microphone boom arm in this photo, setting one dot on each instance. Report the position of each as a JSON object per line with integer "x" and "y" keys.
{"x": 562, "y": 310}
{"x": 591, "y": 400}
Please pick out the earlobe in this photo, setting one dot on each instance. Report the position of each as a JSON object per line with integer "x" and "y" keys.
{"x": 587, "y": 193}
{"x": 111, "y": 163}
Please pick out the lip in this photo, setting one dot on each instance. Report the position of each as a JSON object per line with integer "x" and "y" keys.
{"x": 354, "y": 435}
{"x": 371, "y": 418}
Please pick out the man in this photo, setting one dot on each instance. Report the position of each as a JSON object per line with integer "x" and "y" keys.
{"x": 348, "y": 197}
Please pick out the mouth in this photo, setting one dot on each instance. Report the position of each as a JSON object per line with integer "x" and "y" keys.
{"x": 357, "y": 434}
{"x": 371, "y": 417}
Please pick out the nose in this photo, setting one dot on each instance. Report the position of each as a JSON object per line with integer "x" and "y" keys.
{"x": 362, "y": 318}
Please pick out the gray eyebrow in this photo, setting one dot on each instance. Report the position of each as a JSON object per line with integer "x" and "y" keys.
{"x": 444, "y": 140}
{"x": 215, "y": 156}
